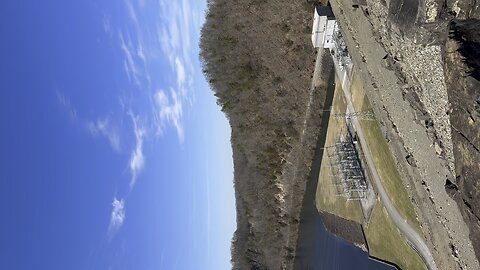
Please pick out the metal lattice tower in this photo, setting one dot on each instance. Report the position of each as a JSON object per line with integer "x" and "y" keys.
{"x": 346, "y": 168}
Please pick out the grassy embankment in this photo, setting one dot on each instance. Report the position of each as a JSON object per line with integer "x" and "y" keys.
{"x": 385, "y": 242}
{"x": 384, "y": 239}
{"x": 384, "y": 161}
{"x": 327, "y": 199}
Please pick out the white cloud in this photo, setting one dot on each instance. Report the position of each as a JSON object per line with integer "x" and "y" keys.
{"x": 180, "y": 70}
{"x": 67, "y": 106}
{"x": 137, "y": 159}
{"x": 117, "y": 216}
{"x": 104, "y": 127}
{"x": 130, "y": 64}
{"x": 107, "y": 24}
{"x": 135, "y": 50}
{"x": 101, "y": 127}
{"x": 173, "y": 33}
{"x": 131, "y": 12}
{"x": 174, "y": 37}
{"x": 168, "y": 111}
{"x": 140, "y": 51}
{"x": 186, "y": 16}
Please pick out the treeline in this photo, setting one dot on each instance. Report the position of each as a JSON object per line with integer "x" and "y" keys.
{"x": 258, "y": 60}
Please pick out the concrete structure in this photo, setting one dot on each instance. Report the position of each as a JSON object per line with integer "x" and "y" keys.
{"x": 324, "y": 26}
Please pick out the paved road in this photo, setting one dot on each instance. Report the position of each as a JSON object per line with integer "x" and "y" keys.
{"x": 414, "y": 239}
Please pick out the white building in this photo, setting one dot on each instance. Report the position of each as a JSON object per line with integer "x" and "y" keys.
{"x": 324, "y": 25}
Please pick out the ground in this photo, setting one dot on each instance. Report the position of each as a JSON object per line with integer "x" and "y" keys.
{"x": 385, "y": 164}
{"x": 383, "y": 56}
{"x": 386, "y": 242}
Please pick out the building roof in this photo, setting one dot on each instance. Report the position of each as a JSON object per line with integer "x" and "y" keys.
{"x": 325, "y": 11}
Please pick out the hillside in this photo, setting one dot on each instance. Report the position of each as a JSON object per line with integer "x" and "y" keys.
{"x": 259, "y": 61}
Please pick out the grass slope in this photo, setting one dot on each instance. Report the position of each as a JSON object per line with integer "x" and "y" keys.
{"x": 326, "y": 197}
{"x": 386, "y": 242}
{"x": 384, "y": 161}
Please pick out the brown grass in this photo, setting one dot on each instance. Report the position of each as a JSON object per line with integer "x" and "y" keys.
{"x": 382, "y": 156}
{"x": 386, "y": 242}
{"x": 326, "y": 198}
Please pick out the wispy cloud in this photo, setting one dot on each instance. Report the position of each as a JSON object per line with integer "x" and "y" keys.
{"x": 107, "y": 24}
{"x": 131, "y": 12}
{"x": 117, "y": 216}
{"x": 104, "y": 127}
{"x": 168, "y": 111}
{"x": 137, "y": 159}
{"x": 181, "y": 76}
{"x": 141, "y": 52}
{"x": 174, "y": 32}
{"x": 169, "y": 39}
{"x": 139, "y": 45}
{"x": 67, "y": 106}
{"x": 130, "y": 64}
{"x": 174, "y": 37}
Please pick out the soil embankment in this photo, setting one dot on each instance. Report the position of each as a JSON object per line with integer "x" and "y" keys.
{"x": 346, "y": 229}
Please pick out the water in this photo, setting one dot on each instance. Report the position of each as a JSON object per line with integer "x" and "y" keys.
{"x": 316, "y": 247}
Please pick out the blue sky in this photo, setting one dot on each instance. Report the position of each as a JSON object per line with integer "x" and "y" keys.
{"x": 114, "y": 154}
